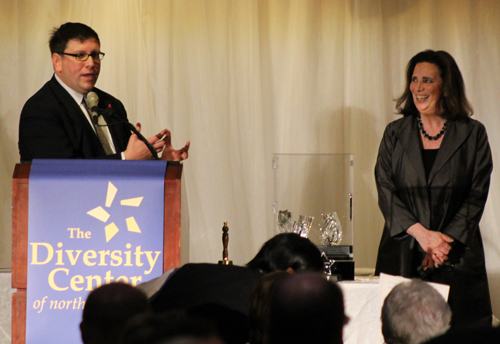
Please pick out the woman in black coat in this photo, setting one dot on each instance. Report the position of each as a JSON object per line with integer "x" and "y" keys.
{"x": 433, "y": 174}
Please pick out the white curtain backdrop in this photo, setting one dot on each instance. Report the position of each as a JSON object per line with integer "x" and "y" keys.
{"x": 245, "y": 79}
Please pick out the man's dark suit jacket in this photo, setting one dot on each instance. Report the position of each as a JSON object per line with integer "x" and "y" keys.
{"x": 52, "y": 126}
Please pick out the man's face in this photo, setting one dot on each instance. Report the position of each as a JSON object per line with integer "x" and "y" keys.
{"x": 81, "y": 76}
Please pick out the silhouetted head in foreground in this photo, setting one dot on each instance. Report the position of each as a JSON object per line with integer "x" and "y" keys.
{"x": 169, "y": 327}
{"x": 306, "y": 308}
{"x": 107, "y": 310}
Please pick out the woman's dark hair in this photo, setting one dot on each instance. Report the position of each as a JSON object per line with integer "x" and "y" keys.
{"x": 66, "y": 32}
{"x": 157, "y": 328}
{"x": 287, "y": 250}
{"x": 453, "y": 101}
{"x": 260, "y": 306}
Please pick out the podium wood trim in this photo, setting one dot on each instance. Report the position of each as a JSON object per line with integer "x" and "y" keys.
{"x": 20, "y": 199}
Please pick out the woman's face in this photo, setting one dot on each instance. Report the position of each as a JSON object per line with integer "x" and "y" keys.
{"x": 425, "y": 87}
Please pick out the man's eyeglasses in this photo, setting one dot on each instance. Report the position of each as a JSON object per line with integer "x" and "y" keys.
{"x": 84, "y": 56}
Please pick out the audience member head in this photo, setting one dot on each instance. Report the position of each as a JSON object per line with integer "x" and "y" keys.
{"x": 306, "y": 308}
{"x": 66, "y": 32}
{"x": 231, "y": 325}
{"x": 288, "y": 251}
{"x": 260, "y": 307}
{"x": 107, "y": 310}
{"x": 169, "y": 328}
{"x": 413, "y": 313}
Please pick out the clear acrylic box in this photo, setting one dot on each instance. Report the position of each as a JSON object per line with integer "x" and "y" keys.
{"x": 313, "y": 185}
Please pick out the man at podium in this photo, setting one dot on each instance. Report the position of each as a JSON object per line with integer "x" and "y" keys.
{"x": 61, "y": 120}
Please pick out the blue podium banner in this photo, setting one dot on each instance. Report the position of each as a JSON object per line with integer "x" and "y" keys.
{"x": 91, "y": 222}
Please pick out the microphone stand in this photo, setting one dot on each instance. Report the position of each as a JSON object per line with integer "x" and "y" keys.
{"x": 110, "y": 113}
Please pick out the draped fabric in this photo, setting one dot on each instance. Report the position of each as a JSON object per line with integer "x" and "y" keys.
{"x": 245, "y": 79}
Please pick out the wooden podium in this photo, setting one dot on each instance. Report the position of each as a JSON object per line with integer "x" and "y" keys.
{"x": 20, "y": 197}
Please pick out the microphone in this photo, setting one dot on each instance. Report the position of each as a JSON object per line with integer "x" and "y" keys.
{"x": 92, "y": 101}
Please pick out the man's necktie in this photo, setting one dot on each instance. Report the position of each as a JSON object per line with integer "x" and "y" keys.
{"x": 101, "y": 131}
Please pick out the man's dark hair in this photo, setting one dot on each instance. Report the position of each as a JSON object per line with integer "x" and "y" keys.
{"x": 306, "y": 308}
{"x": 287, "y": 250}
{"x": 453, "y": 101}
{"x": 60, "y": 36}
{"x": 107, "y": 310}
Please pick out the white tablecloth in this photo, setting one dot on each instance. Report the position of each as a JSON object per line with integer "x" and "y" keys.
{"x": 363, "y": 307}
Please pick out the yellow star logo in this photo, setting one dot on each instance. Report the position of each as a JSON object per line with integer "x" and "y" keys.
{"x": 102, "y": 215}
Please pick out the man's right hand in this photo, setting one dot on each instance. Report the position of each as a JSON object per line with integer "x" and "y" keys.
{"x": 137, "y": 150}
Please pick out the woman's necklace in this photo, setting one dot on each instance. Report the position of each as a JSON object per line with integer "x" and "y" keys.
{"x": 427, "y": 136}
